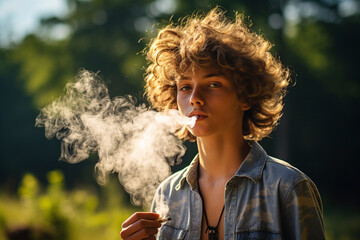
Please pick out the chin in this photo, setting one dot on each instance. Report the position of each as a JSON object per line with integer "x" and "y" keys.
{"x": 199, "y": 132}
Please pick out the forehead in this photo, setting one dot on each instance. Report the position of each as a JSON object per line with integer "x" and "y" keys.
{"x": 203, "y": 72}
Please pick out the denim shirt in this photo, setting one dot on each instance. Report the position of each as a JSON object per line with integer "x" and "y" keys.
{"x": 266, "y": 199}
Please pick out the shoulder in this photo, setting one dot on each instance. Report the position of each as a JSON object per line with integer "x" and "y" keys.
{"x": 283, "y": 170}
{"x": 288, "y": 178}
{"x": 301, "y": 205}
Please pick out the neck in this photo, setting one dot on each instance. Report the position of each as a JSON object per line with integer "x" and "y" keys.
{"x": 220, "y": 157}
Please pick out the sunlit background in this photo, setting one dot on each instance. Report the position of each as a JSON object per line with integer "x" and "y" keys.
{"x": 44, "y": 43}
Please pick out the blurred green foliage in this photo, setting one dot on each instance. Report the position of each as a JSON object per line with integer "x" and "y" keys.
{"x": 342, "y": 224}
{"x": 54, "y": 213}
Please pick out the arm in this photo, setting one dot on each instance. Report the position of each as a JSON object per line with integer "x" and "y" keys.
{"x": 302, "y": 213}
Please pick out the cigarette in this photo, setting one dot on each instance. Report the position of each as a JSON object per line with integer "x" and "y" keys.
{"x": 164, "y": 220}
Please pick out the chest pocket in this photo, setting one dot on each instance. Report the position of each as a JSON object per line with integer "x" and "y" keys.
{"x": 169, "y": 232}
{"x": 257, "y": 235}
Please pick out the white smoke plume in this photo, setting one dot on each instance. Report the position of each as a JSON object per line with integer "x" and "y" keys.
{"x": 136, "y": 143}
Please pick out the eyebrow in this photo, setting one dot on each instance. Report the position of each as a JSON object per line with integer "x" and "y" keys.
{"x": 183, "y": 78}
{"x": 213, "y": 74}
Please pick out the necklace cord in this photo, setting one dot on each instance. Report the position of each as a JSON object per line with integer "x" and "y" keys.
{"x": 203, "y": 203}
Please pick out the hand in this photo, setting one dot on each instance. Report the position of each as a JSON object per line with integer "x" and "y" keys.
{"x": 141, "y": 225}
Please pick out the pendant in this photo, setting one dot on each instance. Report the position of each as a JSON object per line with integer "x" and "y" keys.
{"x": 212, "y": 233}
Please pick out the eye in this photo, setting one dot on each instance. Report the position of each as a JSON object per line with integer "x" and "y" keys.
{"x": 184, "y": 88}
{"x": 215, "y": 85}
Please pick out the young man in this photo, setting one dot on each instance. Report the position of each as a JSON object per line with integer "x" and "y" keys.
{"x": 223, "y": 73}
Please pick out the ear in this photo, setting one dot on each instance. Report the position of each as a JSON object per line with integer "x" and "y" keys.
{"x": 244, "y": 105}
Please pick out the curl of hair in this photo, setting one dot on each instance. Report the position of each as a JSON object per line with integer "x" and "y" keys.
{"x": 212, "y": 39}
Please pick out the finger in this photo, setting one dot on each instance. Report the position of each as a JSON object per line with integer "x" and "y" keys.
{"x": 142, "y": 234}
{"x": 140, "y": 215}
{"x": 152, "y": 237}
{"x": 138, "y": 226}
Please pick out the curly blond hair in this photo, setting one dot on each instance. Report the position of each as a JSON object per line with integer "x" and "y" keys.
{"x": 212, "y": 39}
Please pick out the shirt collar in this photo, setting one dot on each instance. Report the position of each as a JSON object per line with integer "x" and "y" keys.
{"x": 254, "y": 163}
{"x": 190, "y": 174}
{"x": 252, "y": 167}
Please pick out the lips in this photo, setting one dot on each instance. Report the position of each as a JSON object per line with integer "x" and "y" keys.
{"x": 200, "y": 115}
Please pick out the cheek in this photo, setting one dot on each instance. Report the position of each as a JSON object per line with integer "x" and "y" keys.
{"x": 228, "y": 106}
{"x": 180, "y": 100}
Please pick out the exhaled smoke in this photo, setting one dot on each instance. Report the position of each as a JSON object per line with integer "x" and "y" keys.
{"x": 136, "y": 143}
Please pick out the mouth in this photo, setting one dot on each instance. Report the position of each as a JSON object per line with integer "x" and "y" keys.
{"x": 200, "y": 115}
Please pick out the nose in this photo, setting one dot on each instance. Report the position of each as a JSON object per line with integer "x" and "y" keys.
{"x": 196, "y": 97}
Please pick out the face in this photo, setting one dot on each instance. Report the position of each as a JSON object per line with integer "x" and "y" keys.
{"x": 210, "y": 94}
